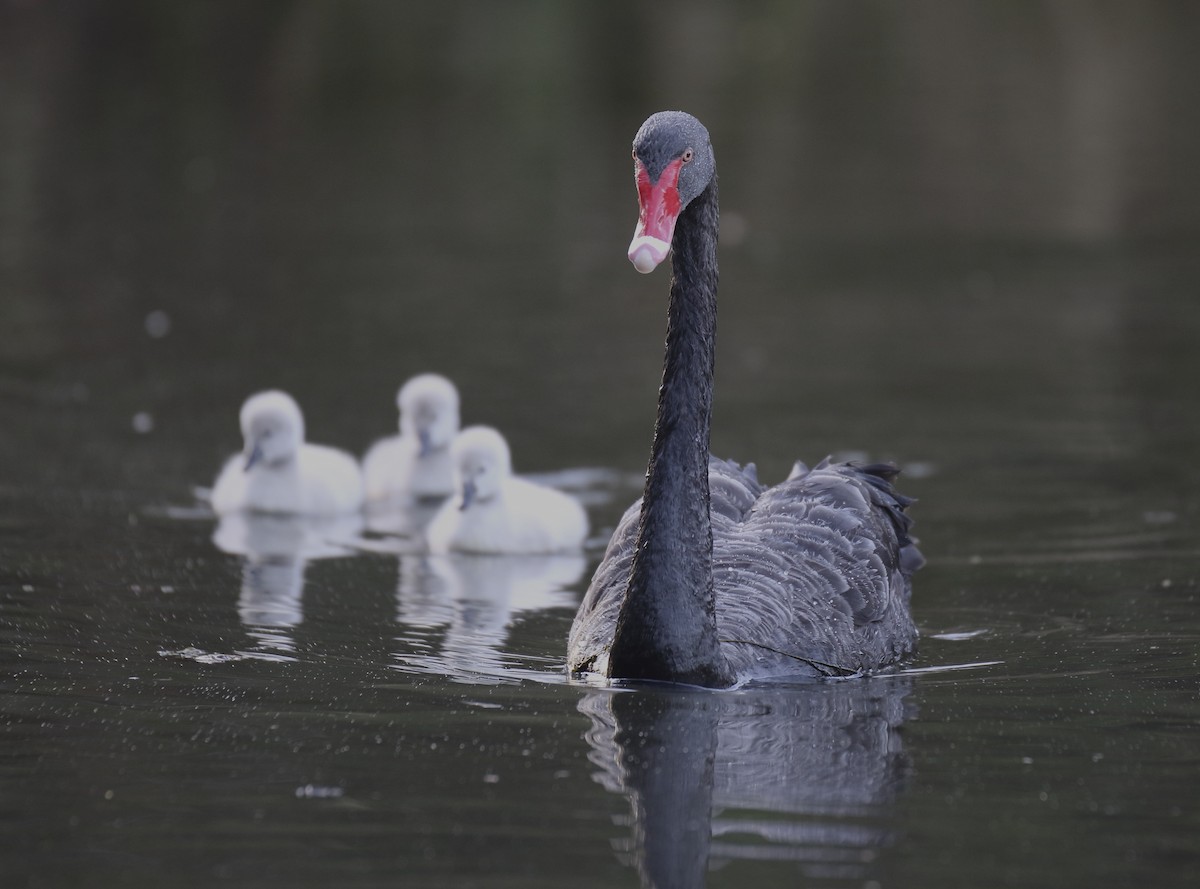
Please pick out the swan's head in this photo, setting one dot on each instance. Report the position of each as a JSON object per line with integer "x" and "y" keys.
{"x": 429, "y": 411}
{"x": 481, "y": 462}
{"x": 672, "y": 164}
{"x": 272, "y": 428}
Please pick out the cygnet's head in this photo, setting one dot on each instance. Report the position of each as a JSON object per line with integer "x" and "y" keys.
{"x": 429, "y": 411}
{"x": 272, "y": 428}
{"x": 482, "y": 462}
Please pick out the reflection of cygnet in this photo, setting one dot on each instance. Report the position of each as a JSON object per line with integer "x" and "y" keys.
{"x": 277, "y": 472}
{"x": 416, "y": 464}
{"x": 271, "y": 590}
{"x": 276, "y": 550}
{"x": 475, "y": 599}
{"x": 496, "y": 512}
{"x": 483, "y": 594}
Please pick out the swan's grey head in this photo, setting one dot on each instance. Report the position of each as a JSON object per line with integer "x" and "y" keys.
{"x": 272, "y": 429}
{"x": 429, "y": 411}
{"x": 482, "y": 462}
{"x": 672, "y": 163}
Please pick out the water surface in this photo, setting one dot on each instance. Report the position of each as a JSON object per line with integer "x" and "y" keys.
{"x": 975, "y": 261}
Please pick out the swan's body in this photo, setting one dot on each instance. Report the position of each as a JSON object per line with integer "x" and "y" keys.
{"x": 416, "y": 465}
{"x": 810, "y": 577}
{"x": 278, "y": 472}
{"x": 711, "y": 578}
{"x": 496, "y": 512}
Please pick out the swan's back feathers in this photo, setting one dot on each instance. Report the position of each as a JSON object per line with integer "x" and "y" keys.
{"x": 816, "y": 577}
{"x": 812, "y": 576}
{"x": 732, "y": 488}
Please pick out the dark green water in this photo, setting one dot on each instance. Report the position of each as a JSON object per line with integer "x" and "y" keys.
{"x": 960, "y": 237}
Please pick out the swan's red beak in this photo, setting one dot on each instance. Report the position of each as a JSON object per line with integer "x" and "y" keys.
{"x": 658, "y": 204}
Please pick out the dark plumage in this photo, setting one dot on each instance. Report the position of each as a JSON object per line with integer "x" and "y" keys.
{"x": 711, "y": 578}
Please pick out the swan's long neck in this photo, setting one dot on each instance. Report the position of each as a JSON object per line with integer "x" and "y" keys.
{"x": 667, "y": 629}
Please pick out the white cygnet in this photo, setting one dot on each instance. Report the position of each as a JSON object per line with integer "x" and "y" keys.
{"x": 495, "y": 512}
{"x": 416, "y": 464}
{"x": 277, "y": 472}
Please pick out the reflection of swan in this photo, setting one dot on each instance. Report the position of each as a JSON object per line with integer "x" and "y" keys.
{"x": 713, "y": 579}
{"x": 797, "y": 773}
{"x": 496, "y": 512}
{"x": 473, "y": 600}
{"x": 415, "y": 465}
{"x": 278, "y": 472}
{"x": 276, "y": 550}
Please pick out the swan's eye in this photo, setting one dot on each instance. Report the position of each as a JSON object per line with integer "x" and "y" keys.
{"x": 688, "y": 155}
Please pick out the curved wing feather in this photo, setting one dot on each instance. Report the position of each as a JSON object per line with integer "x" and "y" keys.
{"x": 817, "y": 575}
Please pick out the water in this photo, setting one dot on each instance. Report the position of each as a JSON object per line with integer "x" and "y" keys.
{"x": 999, "y": 296}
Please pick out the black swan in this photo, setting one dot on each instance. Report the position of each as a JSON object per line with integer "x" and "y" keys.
{"x": 711, "y": 578}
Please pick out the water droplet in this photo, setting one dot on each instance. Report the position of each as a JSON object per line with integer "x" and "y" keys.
{"x": 158, "y": 324}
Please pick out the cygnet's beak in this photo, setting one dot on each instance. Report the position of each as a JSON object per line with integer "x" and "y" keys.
{"x": 425, "y": 438}
{"x": 253, "y": 457}
{"x": 469, "y": 491}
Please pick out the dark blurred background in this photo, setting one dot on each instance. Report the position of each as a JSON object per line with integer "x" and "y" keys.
{"x": 938, "y": 221}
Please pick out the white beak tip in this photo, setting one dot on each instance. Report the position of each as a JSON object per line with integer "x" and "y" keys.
{"x": 646, "y": 253}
